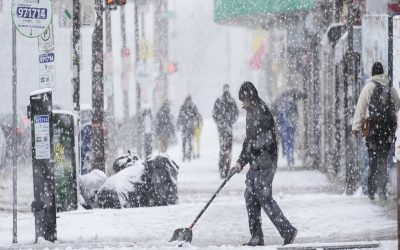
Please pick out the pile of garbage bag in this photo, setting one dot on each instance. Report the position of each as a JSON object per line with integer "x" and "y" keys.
{"x": 134, "y": 183}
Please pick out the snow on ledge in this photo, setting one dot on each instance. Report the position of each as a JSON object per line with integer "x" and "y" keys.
{"x": 40, "y": 91}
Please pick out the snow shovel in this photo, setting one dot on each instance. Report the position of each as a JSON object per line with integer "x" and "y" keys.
{"x": 185, "y": 234}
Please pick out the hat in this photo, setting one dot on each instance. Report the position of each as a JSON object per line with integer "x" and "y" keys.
{"x": 377, "y": 69}
{"x": 247, "y": 91}
{"x": 225, "y": 88}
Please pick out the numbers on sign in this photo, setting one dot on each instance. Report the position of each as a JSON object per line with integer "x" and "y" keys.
{"x": 32, "y": 13}
{"x": 20, "y": 12}
{"x": 43, "y": 13}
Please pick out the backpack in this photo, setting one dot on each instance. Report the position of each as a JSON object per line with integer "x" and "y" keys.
{"x": 381, "y": 109}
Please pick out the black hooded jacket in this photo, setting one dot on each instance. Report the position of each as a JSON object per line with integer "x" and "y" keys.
{"x": 188, "y": 114}
{"x": 225, "y": 112}
{"x": 260, "y": 146}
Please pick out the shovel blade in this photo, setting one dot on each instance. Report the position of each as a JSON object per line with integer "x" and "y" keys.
{"x": 182, "y": 235}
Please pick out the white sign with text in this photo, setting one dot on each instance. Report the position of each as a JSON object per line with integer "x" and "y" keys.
{"x": 31, "y": 17}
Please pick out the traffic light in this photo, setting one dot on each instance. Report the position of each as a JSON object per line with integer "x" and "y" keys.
{"x": 110, "y": 2}
{"x": 115, "y": 2}
{"x": 172, "y": 68}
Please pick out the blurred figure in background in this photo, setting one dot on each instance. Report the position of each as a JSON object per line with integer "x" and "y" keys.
{"x": 225, "y": 114}
{"x": 164, "y": 128}
{"x": 198, "y": 125}
{"x": 188, "y": 114}
{"x": 286, "y": 114}
{"x": 147, "y": 122}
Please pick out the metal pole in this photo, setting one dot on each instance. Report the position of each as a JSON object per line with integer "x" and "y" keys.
{"x": 13, "y": 136}
{"x": 390, "y": 76}
{"x": 138, "y": 120}
{"x": 109, "y": 88}
{"x": 390, "y": 51}
{"x": 76, "y": 36}
{"x": 137, "y": 56}
{"x": 160, "y": 51}
{"x": 124, "y": 72}
{"x": 98, "y": 90}
{"x": 350, "y": 147}
{"x": 109, "y": 74}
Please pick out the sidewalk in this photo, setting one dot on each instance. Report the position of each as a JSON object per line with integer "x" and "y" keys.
{"x": 306, "y": 197}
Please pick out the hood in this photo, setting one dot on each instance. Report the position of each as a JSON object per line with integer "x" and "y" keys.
{"x": 382, "y": 79}
{"x": 248, "y": 91}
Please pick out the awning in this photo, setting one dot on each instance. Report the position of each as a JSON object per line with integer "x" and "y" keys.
{"x": 243, "y": 12}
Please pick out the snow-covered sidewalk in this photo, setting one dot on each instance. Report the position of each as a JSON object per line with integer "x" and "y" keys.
{"x": 306, "y": 198}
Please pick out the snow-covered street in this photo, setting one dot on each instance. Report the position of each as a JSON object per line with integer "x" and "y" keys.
{"x": 306, "y": 197}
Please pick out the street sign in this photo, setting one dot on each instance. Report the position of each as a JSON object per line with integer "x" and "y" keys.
{"x": 47, "y": 71}
{"x": 31, "y": 18}
{"x": 88, "y": 13}
{"x": 65, "y": 14}
{"x": 46, "y": 40}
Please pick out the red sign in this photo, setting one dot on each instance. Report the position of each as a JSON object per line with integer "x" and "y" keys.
{"x": 125, "y": 52}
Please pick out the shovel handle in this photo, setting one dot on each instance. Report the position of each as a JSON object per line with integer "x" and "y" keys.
{"x": 231, "y": 173}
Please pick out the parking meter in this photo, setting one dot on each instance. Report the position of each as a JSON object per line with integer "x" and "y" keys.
{"x": 43, "y": 206}
{"x": 65, "y": 160}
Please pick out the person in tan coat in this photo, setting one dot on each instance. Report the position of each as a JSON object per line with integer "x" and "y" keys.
{"x": 381, "y": 130}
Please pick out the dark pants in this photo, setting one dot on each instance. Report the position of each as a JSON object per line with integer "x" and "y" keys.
{"x": 147, "y": 145}
{"x": 258, "y": 195}
{"x": 378, "y": 172}
{"x": 225, "y": 152}
{"x": 187, "y": 137}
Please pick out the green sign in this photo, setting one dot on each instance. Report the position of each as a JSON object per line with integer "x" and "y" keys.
{"x": 237, "y": 9}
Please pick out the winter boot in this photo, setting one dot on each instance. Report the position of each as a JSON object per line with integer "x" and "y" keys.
{"x": 255, "y": 241}
{"x": 290, "y": 237}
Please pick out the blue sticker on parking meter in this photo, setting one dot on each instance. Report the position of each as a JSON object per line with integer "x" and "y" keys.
{"x": 42, "y": 137}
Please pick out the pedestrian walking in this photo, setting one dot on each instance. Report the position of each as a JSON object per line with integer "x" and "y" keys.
{"x": 286, "y": 113}
{"x": 147, "y": 122}
{"x": 225, "y": 114}
{"x": 188, "y": 113}
{"x": 260, "y": 150}
{"x": 164, "y": 128}
{"x": 198, "y": 125}
{"x": 375, "y": 117}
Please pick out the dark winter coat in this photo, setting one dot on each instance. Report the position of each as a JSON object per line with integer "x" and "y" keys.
{"x": 164, "y": 127}
{"x": 260, "y": 146}
{"x": 188, "y": 114}
{"x": 225, "y": 112}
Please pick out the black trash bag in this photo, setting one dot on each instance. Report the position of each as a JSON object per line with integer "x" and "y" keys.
{"x": 122, "y": 162}
{"x": 140, "y": 184}
{"x": 126, "y": 188}
{"x": 89, "y": 184}
{"x": 162, "y": 181}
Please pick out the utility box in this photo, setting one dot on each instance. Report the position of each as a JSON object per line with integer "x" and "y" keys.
{"x": 43, "y": 206}
{"x": 65, "y": 160}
